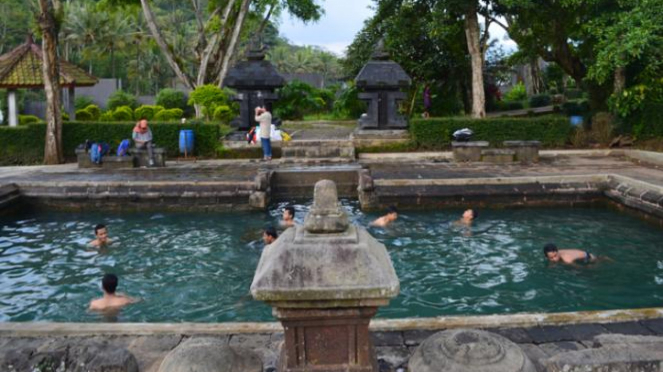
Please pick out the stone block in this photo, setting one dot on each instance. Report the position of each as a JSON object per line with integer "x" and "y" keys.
{"x": 655, "y": 325}
{"x": 416, "y": 337}
{"x": 387, "y": 338}
{"x": 555, "y": 348}
{"x": 582, "y": 332}
{"x": 517, "y": 335}
{"x": 258, "y": 200}
{"x": 117, "y": 162}
{"x": 645, "y": 357}
{"x": 391, "y": 358}
{"x": 628, "y": 328}
{"x": 526, "y": 151}
{"x": 545, "y": 334}
{"x": 498, "y": 156}
{"x": 468, "y": 151}
{"x": 142, "y": 160}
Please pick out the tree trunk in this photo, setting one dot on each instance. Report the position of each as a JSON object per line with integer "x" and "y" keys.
{"x": 212, "y": 46}
{"x": 233, "y": 41}
{"x": 47, "y": 24}
{"x": 163, "y": 46}
{"x": 472, "y": 33}
{"x": 620, "y": 80}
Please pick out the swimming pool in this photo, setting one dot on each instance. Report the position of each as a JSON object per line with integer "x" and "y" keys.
{"x": 198, "y": 267}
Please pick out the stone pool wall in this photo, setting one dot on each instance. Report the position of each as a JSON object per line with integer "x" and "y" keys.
{"x": 630, "y": 340}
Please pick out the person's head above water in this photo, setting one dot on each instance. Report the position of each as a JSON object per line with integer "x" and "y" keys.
{"x": 101, "y": 232}
{"x": 470, "y": 215}
{"x": 269, "y": 235}
{"x": 109, "y": 283}
{"x": 392, "y": 213}
{"x": 288, "y": 214}
{"x": 551, "y": 252}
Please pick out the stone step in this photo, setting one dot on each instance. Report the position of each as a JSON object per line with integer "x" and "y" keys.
{"x": 318, "y": 149}
{"x": 299, "y": 182}
{"x": 9, "y": 195}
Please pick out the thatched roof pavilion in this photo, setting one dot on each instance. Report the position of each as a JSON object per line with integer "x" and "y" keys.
{"x": 21, "y": 68}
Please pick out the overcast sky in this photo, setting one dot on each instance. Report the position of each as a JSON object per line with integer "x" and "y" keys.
{"x": 342, "y": 20}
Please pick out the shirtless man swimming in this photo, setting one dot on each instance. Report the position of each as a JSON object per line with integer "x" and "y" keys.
{"x": 391, "y": 216}
{"x": 567, "y": 256}
{"x": 468, "y": 217}
{"x": 110, "y": 300}
{"x": 101, "y": 233}
{"x": 288, "y": 217}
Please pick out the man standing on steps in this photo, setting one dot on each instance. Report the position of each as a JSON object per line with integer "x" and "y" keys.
{"x": 265, "y": 119}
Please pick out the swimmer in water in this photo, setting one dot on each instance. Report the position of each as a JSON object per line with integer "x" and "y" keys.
{"x": 567, "y": 256}
{"x": 391, "y": 216}
{"x": 269, "y": 235}
{"x": 468, "y": 217}
{"x": 288, "y": 217}
{"x": 111, "y": 300}
{"x": 101, "y": 234}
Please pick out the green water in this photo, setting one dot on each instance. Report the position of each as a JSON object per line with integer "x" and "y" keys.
{"x": 198, "y": 267}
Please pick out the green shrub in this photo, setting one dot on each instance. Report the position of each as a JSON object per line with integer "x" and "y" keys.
{"x": 123, "y": 113}
{"x": 348, "y": 104}
{"x": 297, "y": 99}
{"x": 28, "y": 119}
{"x": 540, "y": 100}
{"x": 209, "y": 97}
{"x": 94, "y": 111}
{"x": 435, "y": 133}
{"x": 169, "y": 115}
{"x": 170, "y": 98}
{"x": 223, "y": 114}
{"x": 84, "y": 115}
{"x": 517, "y": 93}
{"x": 81, "y": 102}
{"x": 25, "y": 145}
{"x": 147, "y": 111}
{"x": 106, "y": 116}
{"x": 120, "y": 98}
{"x": 510, "y": 105}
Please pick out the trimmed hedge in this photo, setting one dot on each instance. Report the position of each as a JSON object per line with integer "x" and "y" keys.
{"x": 25, "y": 145}
{"x": 552, "y": 131}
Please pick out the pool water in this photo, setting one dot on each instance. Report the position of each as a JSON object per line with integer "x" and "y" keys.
{"x": 198, "y": 267}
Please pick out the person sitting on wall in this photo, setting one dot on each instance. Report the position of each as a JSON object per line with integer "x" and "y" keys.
{"x": 101, "y": 234}
{"x": 269, "y": 236}
{"x": 468, "y": 217}
{"x": 567, "y": 256}
{"x": 288, "y": 217}
{"x": 391, "y": 216}
{"x": 142, "y": 136}
{"x": 110, "y": 300}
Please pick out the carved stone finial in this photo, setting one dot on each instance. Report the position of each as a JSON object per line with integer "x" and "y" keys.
{"x": 380, "y": 52}
{"x": 256, "y": 51}
{"x": 326, "y": 215}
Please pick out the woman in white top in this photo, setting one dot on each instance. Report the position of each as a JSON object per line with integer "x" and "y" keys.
{"x": 265, "y": 119}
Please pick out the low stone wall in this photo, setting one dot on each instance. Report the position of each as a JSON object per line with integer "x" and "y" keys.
{"x": 551, "y": 341}
{"x": 165, "y": 195}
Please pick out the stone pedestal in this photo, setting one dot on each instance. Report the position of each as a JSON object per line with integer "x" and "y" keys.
{"x": 468, "y": 151}
{"x": 327, "y": 340}
{"x": 141, "y": 158}
{"x": 326, "y": 280}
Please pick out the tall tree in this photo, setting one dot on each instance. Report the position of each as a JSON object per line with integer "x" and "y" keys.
{"x": 47, "y": 19}
{"x": 219, "y": 27}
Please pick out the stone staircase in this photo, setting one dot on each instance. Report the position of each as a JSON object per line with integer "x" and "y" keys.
{"x": 9, "y": 195}
{"x": 318, "y": 151}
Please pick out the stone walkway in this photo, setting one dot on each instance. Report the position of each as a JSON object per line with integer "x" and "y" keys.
{"x": 245, "y": 170}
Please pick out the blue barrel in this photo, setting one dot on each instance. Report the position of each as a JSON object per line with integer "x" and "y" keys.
{"x": 576, "y": 120}
{"x": 187, "y": 139}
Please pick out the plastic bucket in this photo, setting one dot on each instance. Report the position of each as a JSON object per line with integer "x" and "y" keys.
{"x": 576, "y": 121}
{"x": 187, "y": 140}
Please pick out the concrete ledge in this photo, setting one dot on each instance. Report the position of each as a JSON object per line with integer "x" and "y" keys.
{"x": 38, "y": 329}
